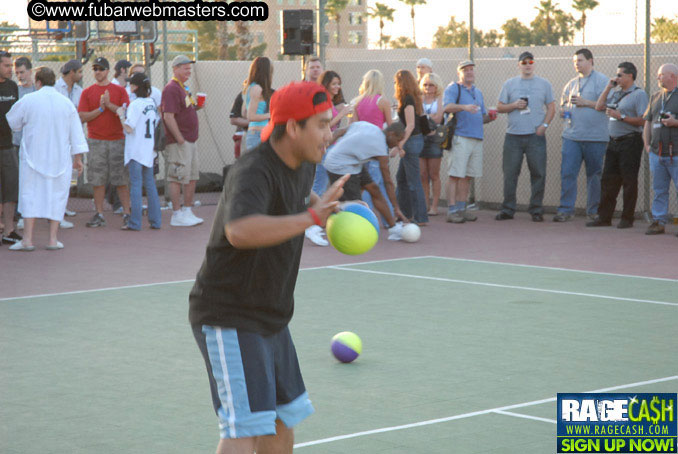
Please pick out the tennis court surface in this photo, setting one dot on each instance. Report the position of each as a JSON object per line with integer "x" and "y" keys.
{"x": 459, "y": 356}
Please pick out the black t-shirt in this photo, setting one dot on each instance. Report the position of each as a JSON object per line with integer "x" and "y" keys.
{"x": 9, "y": 94}
{"x": 252, "y": 289}
{"x": 409, "y": 101}
{"x": 236, "y": 110}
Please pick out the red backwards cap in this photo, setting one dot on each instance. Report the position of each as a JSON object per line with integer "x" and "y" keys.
{"x": 294, "y": 101}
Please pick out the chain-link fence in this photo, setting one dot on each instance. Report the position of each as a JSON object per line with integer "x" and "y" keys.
{"x": 222, "y": 81}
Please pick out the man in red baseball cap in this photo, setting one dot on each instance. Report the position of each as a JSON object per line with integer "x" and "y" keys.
{"x": 242, "y": 300}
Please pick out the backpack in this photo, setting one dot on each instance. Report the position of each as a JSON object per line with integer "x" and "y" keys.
{"x": 446, "y": 131}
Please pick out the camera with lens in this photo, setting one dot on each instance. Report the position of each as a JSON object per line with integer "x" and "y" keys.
{"x": 664, "y": 115}
{"x": 613, "y": 106}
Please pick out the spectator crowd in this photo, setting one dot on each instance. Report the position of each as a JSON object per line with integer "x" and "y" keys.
{"x": 608, "y": 122}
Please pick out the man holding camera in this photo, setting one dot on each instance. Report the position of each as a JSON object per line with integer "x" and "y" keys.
{"x": 528, "y": 101}
{"x": 585, "y": 136}
{"x": 660, "y": 138}
{"x": 624, "y": 106}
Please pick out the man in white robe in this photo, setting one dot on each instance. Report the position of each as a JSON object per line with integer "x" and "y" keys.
{"x": 52, "y": 144}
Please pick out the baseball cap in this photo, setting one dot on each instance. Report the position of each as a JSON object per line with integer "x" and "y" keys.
{"x": 525, "y": 55}
{"x": 295, "y": 101}
{"x": 138, "y": 79}
{"x": 181, "y": 60}
{"x": 122, "y": 64}
{"x": 101, "y": 61}
{"x": 464, "y": 64}
{"x": 71, "y": 65}
{"x": 425, "y": 62}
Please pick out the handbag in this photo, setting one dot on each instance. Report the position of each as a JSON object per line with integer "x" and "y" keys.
{"x": 159, "y": 139}
{"x": 426, "y": 125}
{"x": 447, "y": 131}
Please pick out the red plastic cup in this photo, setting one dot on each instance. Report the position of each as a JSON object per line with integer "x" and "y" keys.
{"x": 202, "y": 97}
{"x": 493, "y": 113}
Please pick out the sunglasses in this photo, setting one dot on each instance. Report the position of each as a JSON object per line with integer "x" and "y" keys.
{"x": 429, "y": 85}
{"x": 527, "y": 62}
{"x": 98, "y": 68}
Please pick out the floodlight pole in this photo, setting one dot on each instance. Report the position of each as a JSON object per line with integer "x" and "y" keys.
{"x": 471, "y": 42}
{"x": 164, "y": 53}
{"x": 321, "y": 26}
{"x": 471, "y": 35}
{"x": 648, "y": 77}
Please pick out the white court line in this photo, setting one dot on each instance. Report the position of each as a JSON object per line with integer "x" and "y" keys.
{"x": 123, "y": 287}
{"x": 554, "y": 268}
{"x": 472, "y": 414}
{"x": 514, "y": 287}
{"x": 519, "y": 415}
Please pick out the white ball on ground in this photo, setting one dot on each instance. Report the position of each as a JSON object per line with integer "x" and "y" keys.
{"x": 411, "y": 233}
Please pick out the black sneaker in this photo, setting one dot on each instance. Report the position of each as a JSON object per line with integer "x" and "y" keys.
{"x": 502, "y": 216}
{"x": 537, "y": 217}
{"x": 125, "y": 222}
{"x": 12, "y": 238}
{"x": 97, "y": 221}
{"x": 598, "y": 223}
{"x": 624, "y": 224}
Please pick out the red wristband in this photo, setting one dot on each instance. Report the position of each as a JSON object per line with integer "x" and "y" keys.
{"x": 315, "y": 217}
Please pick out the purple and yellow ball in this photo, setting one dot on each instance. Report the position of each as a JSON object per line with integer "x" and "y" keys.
{"x": 346, "y": 346}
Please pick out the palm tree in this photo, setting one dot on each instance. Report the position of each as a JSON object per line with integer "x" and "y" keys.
{"x": 412, "y": 3}
{"x": 333, "y": 9}
{"x": 243, "y": 38}
{"x": 222, "y": 39}
{"x": 583, "y": 6}
{"x": 383, "y": 12}
{"x": 547, "y": 12}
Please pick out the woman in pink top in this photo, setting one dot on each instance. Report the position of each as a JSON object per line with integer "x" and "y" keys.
{"x": 371, "y": 105}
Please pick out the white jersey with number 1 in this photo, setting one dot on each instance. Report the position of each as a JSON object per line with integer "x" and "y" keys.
{"x": 142, "y": 116}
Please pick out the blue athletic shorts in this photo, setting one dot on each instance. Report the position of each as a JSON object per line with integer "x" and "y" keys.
{"x": 254, "y": 380}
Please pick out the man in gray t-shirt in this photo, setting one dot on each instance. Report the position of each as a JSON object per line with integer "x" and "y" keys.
{"x": 528, "y": 101}
{"x": 585, "y": 136}
{"x": 359, "y": 143}
{"x": 625, "y": 106}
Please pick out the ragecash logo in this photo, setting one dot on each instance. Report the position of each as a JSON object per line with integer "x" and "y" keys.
{"x": 617, "y": 422}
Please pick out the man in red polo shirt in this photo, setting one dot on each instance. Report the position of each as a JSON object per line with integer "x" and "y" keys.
{"x": 106, "y": 140}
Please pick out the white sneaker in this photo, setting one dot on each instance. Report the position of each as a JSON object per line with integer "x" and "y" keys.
{"x": 315, "y": 234}
{"x": 395, "y": 232}
{"x": 64, "y": 224}
{"x": 70, "y": 213}
{"x": 189, "y": 214}
{"x": 179, "y": 219}
{"x": 20, "y": 224}
{"x": 119, "y": 211}
{"x": 196, "y": 204}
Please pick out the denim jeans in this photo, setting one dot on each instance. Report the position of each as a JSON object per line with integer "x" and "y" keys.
{"x": 252, "y": 139}
{"x": 663, "y": 169}
{"x": 409, "y": 191}
{"x": 375, "y": 172}
{"x": 573, "y": 153}
{"x": 534, "y": 149}
{"x": 321, "y": 181}
{"x": 139, "y": 174}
